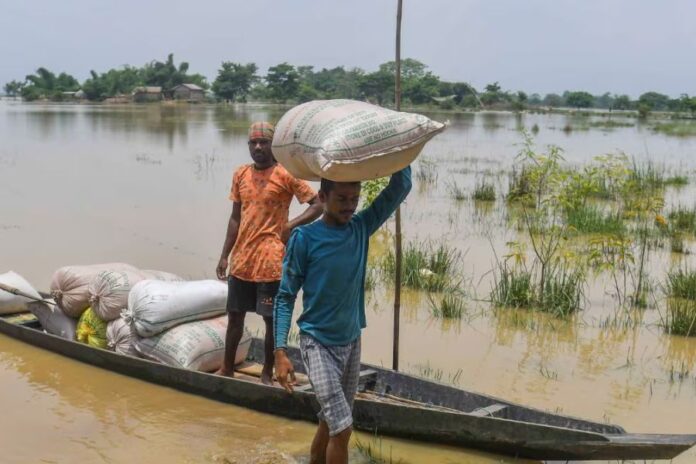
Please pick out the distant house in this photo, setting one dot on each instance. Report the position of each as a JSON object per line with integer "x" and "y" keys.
{"x": 188, "y": 92}
{"x": 147, "y": 94}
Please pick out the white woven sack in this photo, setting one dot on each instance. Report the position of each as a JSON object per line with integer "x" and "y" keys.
{"x": 348, "y": 140}
{"x": 120, "y": 337}
{"x": 70, "y": 285}
{"x": 196, "y": 345}
{"x": 109, "y": 290}
{"x": 53, "y": 320}
{"x": 11, "y": 303}
{"x": 155, "y": 306}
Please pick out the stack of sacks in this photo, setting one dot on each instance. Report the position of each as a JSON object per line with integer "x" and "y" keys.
{"x": 101, "y": 287}
{"x": 181, "y": 324}
{"x": 70, "y": 285}
{"x": 11, "y": 303}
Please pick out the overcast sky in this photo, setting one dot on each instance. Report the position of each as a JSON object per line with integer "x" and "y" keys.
{"x": 620, "y": 46}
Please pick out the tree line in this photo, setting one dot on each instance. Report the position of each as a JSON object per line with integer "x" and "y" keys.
{"x": 289, "y": 83}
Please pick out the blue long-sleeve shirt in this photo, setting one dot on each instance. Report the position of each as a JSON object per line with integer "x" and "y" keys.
{"x": 328, "y": 263}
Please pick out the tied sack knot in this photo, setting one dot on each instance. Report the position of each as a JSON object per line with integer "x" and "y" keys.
{"x": 128, "y": 316}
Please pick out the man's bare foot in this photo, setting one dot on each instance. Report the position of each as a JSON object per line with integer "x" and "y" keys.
{"x": 224, "y": 372}
{"x": 267, "y": 375}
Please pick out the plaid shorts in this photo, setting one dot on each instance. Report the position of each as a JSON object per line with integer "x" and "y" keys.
{"x": 334, "y": 372}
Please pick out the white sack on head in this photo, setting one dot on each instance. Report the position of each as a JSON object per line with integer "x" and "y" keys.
{"x": 53, "y": 320}
{"x": 108, "y": 291}
{"x": 69, "y": 285}
{"x": 196, "y": 345}
{"x": 348, "y": 140}
{"x": 120, "y": 337}
{"x": 11, "y": 303}
{"x": 155, "y": 306}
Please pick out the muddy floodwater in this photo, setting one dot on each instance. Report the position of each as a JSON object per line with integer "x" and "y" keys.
{"x": 148, "y": 185}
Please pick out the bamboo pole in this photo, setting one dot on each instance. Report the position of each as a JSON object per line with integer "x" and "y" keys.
{"x": 397, "y": 277}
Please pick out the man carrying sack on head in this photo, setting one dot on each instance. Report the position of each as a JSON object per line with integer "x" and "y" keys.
{"x": 327, "y": 259}
{"x": 256, "y": 234}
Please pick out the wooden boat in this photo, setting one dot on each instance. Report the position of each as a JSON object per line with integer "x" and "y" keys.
{"x": 390, "y": 403}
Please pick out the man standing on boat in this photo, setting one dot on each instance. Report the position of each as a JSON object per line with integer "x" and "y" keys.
{"x": 256, "y": 234}
{"x": 327, "y": 259}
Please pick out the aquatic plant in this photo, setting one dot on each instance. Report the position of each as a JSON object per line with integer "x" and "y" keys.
{"x": 683, "y": 219}
{"x": 676, "y": 129}
{"x": 681, "y": 283}
{"x": 676, "y": 243}
{"x": 677, "y": 180}
{"x": 591, "y": 219}
{"x": 484, "y": 191}
{"x": 451, "y": 305}
{"x": 426, "y": 171}
{"x": 424, "y": 266}
{"x": 646, "y": 175}
{"x": 455, "y": 191}
{"x": 680, "y": 318}
{"x": 611, "y": 124}
{"x": 512, "y": 288}
{"x": 371, "y": 451}
{"x": 519, "y": 184}
{"x": 562, "y": 293}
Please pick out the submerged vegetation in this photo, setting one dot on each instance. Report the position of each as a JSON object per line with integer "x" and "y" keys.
{"x": 484, "y": 191}
{"x": 450, "y": 305}
{"x": 424, "y": 266}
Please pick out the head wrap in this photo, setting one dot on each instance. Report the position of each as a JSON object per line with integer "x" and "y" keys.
{"x": 261, "y": 130}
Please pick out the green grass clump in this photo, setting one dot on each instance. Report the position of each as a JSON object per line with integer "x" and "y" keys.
{"x": 450, "y": 306}
{"x": 683, "y": 219}
{"x": 512, "y": 288}
{"x": 677, "y": 181}
{"x": 611, "y": 124}
{"x": 676, "y": 243}
{"x": 562, "y": 292}
{"x": 590, "y": 219}
{"x": 681, "y": 284}
{"x": 681, "y": 317}
{"x": 519, "y": 184}
{"x": 456, "y": 192}
{"x": 676, "y": 129}
{"x": 424, "y": 267}
{"x": 484, "y": 191}
{"x": 370, "y": 452}
{"x": 646, "y": 176}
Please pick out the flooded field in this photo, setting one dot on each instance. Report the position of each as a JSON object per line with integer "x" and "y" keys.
{"x": 148, "y": 185}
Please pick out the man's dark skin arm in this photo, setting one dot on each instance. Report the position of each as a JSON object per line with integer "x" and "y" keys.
{"x": 230, "y": 238}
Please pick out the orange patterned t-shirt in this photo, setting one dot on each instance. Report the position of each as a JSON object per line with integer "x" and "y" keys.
{"x": 257, "y": 255}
